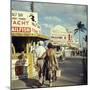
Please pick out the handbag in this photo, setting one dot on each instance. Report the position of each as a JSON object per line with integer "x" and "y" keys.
{"x": 58, "y": 73}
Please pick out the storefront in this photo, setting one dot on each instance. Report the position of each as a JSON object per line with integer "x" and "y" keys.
{"x": 25, "y": 43}
{"x": 25, "y": 35}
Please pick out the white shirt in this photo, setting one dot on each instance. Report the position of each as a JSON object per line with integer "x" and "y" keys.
{"x": 40, "y": 50}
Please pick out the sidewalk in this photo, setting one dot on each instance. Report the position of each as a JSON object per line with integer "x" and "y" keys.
{"x": 80, "y": 57}
{"x": 33, "y": 83}
{"x": 71, "y": 75}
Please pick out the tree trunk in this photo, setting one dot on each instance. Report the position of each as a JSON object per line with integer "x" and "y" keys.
{"x": 79, "y": 39}
{"x": 79, "y": 42}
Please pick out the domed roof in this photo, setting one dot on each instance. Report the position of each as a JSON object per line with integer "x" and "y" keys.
{"x": 58, "y": 29}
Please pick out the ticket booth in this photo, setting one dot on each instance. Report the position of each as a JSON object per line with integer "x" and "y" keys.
{"x": 20, "y": 42}
{"x": 25, "y": 35}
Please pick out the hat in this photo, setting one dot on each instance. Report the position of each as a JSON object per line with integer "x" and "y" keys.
{"x": 41, "y": 43}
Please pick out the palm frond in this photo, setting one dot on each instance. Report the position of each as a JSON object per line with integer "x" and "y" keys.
{"x": 79, "y": 24}
{"x": 75, "y": 31}
{"x": 84, "y": 28}
{"x": 85, "y": 38}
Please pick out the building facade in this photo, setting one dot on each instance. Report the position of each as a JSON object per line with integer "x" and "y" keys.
{"x": 59, "y": 36}
{"x": 26, "y": 33}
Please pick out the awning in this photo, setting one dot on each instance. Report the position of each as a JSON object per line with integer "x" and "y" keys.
{"x": 26, "y": 34}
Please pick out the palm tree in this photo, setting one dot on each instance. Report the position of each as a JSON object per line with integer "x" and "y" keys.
{"x": 86, "y": 41}
{"x": 85, "y": 53}
{"x": 80, "y": 28}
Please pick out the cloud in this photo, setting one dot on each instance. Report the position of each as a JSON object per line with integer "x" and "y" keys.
{"x": 46, "y": 25}
{"x": 52, "y": 19}
{"x": 49, "y": 21}
{"x": 72, "y": 13}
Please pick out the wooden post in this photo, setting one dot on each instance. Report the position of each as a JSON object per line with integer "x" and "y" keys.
{"x": 30, "y": 63}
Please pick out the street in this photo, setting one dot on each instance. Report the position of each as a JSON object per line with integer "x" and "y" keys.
{"x": 71, "y": 75}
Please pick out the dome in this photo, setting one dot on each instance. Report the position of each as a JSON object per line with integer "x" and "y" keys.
{"x": 58, "y": 29}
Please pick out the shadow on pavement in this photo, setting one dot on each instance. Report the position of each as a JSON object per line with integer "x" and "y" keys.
{"x": 85, "y": 71}
{"x": 32, "y": 83}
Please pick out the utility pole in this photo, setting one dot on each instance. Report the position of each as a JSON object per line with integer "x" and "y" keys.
{"x": 32, "y": 7}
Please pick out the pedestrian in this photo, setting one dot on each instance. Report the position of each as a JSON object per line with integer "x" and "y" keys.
{"x": 40, "y": 50}
{"x": 63, "y": 53}
{"x": 21, "y": 66}
{"x": 50, "y": 64}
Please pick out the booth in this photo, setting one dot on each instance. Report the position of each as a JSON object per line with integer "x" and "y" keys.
{"x": 24, "y": 37}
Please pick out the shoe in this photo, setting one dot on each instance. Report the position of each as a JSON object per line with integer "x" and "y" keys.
{"x": 50, "y": 84}
{"x": 41, "y": 82}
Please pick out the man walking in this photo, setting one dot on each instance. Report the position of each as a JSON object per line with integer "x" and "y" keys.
{"x": 40, "y": 50}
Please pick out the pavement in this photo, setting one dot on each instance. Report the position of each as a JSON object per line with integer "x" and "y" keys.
{"x": 71, "y": 75}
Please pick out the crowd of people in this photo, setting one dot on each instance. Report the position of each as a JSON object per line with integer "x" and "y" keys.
{"x": 46, "y": 63}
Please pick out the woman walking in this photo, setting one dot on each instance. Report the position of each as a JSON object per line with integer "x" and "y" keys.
{"x": 50, "y": 64}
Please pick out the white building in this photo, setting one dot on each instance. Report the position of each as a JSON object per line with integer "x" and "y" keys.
{"x": 58, "y": 35}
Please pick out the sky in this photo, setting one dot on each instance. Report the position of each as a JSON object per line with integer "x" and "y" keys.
{"x": 53, "y": 14}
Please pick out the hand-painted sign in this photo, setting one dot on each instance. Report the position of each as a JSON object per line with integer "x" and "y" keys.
{"x": 25, "y": 22}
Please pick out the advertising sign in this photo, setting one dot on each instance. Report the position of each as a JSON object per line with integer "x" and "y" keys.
{"x": 58, "y": 37}
{"x": 25, "y": 22}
